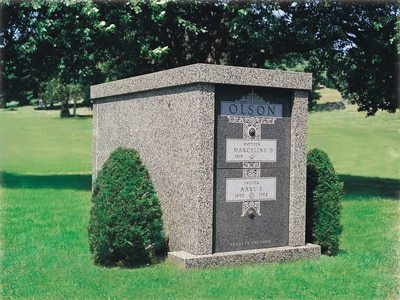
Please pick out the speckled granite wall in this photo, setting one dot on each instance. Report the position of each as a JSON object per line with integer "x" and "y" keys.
{"x": 298, "y": 169}
{"x": 173, "y": 130}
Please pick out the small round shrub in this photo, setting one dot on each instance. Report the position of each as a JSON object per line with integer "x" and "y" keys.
{"x": 125, "y": 226}
{"x": 324, "y": 194}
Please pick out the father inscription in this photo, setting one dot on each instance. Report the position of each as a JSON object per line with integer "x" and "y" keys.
{"x": 250, "y": 189}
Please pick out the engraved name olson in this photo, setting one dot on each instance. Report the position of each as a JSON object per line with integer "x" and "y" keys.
{"x": 251, "y": 109}
{"x": 258, "y": 189}
{"x": 239, "y": 150}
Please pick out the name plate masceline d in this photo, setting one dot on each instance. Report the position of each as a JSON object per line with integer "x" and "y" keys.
{"x": 245, "y": 189}
{"x": 251, "y": 109}
{"x": 239, "y": 150}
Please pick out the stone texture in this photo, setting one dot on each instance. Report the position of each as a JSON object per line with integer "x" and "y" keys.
{"x": 170, "y": 117}
{"x": 233, "y": 258}
{"x": 204, "y": 73}
{"x": 173, "y": 130}
{"x": 298, "y": 169}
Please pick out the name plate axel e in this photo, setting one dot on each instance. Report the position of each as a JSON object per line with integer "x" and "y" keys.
{"x": 239, "y": 150}
{"x": 244, "y": 189}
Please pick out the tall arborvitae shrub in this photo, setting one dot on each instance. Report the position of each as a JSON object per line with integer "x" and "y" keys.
{"x": 324, "y": 194}
{"x": 125, "y": 226}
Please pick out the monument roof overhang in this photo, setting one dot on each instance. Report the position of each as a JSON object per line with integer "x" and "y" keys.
{"x": 204, "y": 73}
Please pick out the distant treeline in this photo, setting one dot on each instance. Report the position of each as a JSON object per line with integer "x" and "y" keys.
{"x": 350, "y": 46}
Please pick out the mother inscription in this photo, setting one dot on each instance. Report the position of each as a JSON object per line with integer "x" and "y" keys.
{"x": 244, "y": 150}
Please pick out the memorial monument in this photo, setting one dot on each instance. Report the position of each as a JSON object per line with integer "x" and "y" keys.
{"x": 226, "y": 150}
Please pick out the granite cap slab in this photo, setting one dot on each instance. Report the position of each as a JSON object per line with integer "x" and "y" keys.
{"x": 204, "y": 73}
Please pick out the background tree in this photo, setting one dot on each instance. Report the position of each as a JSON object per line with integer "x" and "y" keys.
{"x": 366, "y": 69}
{"x": 45, "y": 40}
{"x": 352, "y": 43}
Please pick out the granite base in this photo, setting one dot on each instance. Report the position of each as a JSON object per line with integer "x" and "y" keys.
{"x": 233, "y": 258}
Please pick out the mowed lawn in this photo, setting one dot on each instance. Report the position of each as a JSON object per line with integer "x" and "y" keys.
{"x": 45, "y": 167}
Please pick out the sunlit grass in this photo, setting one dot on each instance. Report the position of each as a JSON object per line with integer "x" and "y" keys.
{"x": 356, "y": 144}
{"x": 41, "y": 142}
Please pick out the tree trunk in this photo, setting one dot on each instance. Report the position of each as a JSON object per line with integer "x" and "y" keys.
{"x": 64, "y": 113}
{"x": 74, "y": 110}
{"x": 2, "y": 89}
{"x": 2, "y": 101}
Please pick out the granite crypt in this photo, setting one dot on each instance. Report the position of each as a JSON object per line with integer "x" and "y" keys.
{"x": 226, "y": 150}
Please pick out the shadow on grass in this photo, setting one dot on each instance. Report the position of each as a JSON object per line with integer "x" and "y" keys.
{"x": 354, "y": 186}
{"x": 118, "y": 265}
{"x": 367, "y": 187}
{"x": 56, "y": 181}
{"x": 84, "y": 116}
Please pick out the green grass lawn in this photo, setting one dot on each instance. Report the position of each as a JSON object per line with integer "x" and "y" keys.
{"x": 45, "y": 200}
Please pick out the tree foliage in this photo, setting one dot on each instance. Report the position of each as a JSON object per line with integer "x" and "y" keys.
{"x": 45, "y": 40}
{"x": 89, "y": 42}
{"x": 367, "y": 71}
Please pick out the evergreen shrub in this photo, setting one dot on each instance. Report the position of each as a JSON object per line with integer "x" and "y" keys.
{"x": 125, "y": 226}
{"x": 324, "y": 194}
